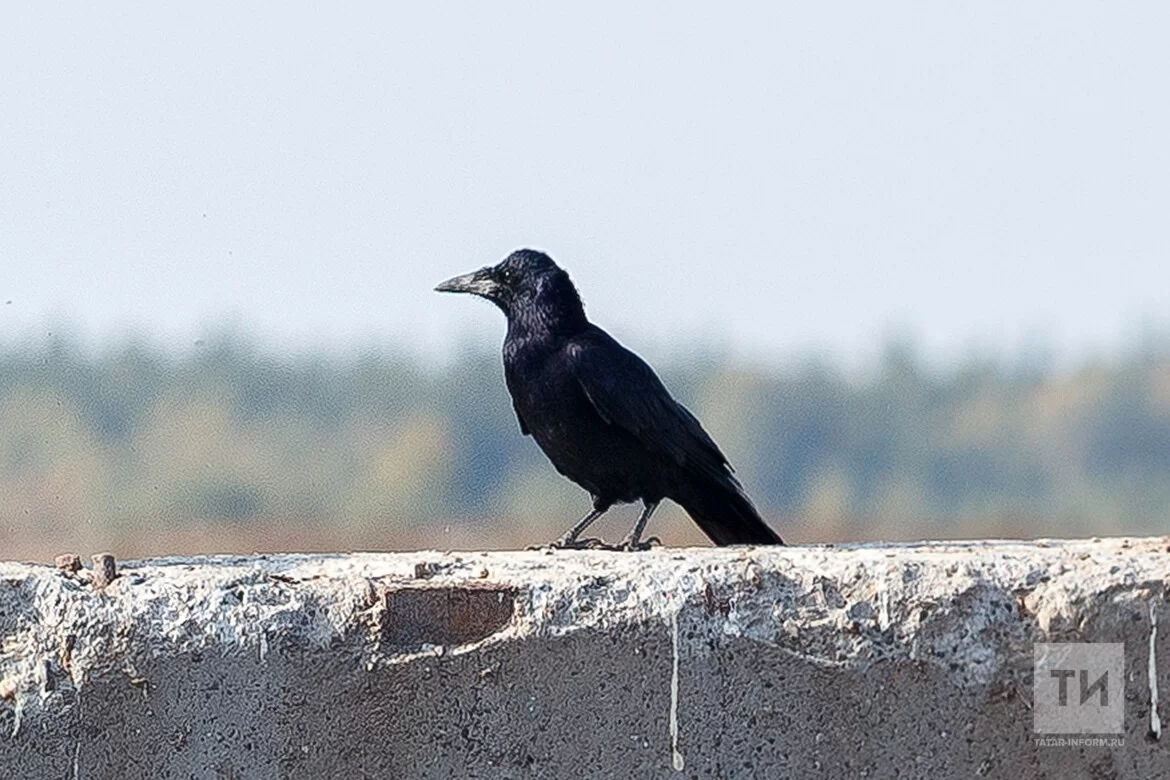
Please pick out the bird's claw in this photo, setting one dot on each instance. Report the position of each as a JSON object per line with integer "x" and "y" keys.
{"x": 568, "y": 543}
{"x": 631, "y": 545}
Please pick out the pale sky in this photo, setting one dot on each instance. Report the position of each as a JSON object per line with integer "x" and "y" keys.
{"x": 783, "y": 176}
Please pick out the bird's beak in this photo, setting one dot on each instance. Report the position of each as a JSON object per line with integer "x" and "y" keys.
{"x": 477, "y": 283}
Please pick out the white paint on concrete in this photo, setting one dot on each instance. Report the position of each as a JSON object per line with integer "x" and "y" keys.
{"x": 1152, "y": 673}
{"x": 676, "y": 757}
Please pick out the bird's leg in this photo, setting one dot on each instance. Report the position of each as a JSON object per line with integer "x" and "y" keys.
{"x": 570, "y": 540}
{"x": 634, "y": 540}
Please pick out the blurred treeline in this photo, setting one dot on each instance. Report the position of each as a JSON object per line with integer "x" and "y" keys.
{"x": 232, "y": 447}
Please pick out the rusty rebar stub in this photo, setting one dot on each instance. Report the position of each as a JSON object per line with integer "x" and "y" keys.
{"x": 68, "y": 564}
{"x": 105, "y": 570}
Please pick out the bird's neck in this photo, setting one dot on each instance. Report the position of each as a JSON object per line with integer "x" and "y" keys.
{"x": 547, "y": 322}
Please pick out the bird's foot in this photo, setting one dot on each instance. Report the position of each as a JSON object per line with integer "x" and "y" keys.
{"x": 571, "y": 543}
{"x": 635, "y": 545}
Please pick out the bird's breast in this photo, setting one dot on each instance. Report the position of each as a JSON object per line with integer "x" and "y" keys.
{"x": 544, "y": 394}
{"x": 602, "y": 458}
{"x": 552, "y": 403}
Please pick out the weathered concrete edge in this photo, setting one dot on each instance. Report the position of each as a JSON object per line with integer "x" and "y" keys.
{"x": 970, "y": 609}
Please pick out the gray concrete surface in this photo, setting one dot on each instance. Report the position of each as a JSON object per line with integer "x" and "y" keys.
{"x": 910, "y": 661}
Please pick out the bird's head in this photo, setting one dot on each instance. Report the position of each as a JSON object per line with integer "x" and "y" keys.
{"x": 524, "y": 281}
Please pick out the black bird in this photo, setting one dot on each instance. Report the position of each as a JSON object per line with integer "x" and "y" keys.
{"x": 601, "y": 415}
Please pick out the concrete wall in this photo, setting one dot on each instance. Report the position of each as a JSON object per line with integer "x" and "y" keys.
{"x": 878, "y": 661}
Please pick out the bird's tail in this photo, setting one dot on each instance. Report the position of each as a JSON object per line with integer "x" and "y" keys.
{"x": 725, "y": 514}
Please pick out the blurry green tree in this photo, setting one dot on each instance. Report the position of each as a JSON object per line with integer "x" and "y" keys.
{"x": 231, "y": 446}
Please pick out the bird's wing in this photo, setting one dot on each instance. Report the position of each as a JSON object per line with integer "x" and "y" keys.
{"x": 628, "y": 394}
{"x": 520, "y": 419}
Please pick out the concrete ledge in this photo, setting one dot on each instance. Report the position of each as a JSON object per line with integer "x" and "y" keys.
{"x": 868, "y": 661}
